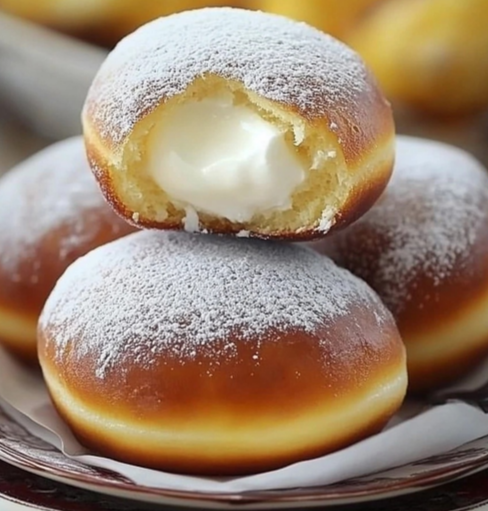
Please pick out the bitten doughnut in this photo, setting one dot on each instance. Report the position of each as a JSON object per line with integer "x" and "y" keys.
{"x": 429, "y": 54}
{"x": 213, "y": 355}
{"x": 51, "y": 212}
{"x": 424, "y": 249}
{"x": 237, "y": 122}
{"x": 95, "y": 21}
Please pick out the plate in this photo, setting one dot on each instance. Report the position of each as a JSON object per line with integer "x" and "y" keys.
{"x": 22, "y": 488}
{"x": 20, "y": 448}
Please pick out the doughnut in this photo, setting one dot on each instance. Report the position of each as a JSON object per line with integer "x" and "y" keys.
{"x": 335, "y": 17}
{"x": 51, "y": 212}
{"x": 217, "y": 356}
{"x": 428, "y": 54}
{"x": 175, "y": 109}
{"x": 424, "y": 249}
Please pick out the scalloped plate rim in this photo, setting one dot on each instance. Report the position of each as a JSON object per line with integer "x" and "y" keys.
{"x": 304, "y": 497}
{"x": 204, "y": 501}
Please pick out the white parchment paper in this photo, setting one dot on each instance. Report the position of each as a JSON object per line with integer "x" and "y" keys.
{"x": 415, "y": 433}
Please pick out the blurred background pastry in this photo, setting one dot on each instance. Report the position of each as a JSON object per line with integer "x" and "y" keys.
{"x": 102, "y": 21}
{"x": 430, "y": 56}
{"x": 431, "y": 59}
{"x": 423, "y": 248}
{"x": 190, "y": 124}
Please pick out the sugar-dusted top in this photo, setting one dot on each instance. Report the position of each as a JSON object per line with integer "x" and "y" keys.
{"x": 183, "y": 294}
{"x": 427, "y": 223}
{"x": 277, "y": 58}
{"x": 51, "y": 190}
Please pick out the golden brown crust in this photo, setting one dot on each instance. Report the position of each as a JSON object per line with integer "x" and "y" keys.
{"x": 218, "y": 355}
{"x": 432, "y": 308}
{"x": 427, "y": 375}
{"x": 292, "y": 368}
{"x": 424, "y": 249}
{"x": 39, "y": 244}
{"x": 196, "y": 463}
{"x": 19, "y": 334}
{"x": 328, "y": 91}
{"x": 428, "y": 303}
{"x": 289, "y": 382}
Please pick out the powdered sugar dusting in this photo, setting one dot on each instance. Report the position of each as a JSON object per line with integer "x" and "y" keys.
{"x": 277, "y": 58}
{"x": 155, "y": 292}
{"x": 191, "y": 220}
{"x": 428, "y": 220}
{"x": 327, "y": 220}
{"x": 50, "y": 190}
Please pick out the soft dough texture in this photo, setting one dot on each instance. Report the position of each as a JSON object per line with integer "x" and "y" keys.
{"x": 424, "y": 249}
{"x": 429, "y": 54}
{"x": 311, "y": 87}
{"x": 51, "y": 212}
{"x": 217, "y": 356}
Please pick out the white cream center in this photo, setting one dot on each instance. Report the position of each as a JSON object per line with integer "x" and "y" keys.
{"x": 223, "y": 159}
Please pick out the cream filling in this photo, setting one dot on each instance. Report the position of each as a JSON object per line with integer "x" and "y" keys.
{"x": 223, "y": 159}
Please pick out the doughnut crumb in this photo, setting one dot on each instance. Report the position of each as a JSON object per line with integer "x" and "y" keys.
{"x": 313, "y": 89}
